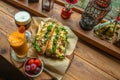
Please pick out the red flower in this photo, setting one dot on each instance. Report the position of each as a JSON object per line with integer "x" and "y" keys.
{"x": 117, "y": 19}
{"x": 72, "y": 1}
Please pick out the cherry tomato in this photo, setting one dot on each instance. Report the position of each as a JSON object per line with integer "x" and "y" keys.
{"x": 31, "y": 61}
{"x": 37, "y": 62}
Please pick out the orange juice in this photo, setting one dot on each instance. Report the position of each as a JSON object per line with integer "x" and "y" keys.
{"x": 18, "y": 42}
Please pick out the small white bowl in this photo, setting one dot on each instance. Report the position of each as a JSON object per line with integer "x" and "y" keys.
{"x": 33, "y": 75}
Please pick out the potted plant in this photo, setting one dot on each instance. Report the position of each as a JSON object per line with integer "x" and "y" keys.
{"x": 67, "y": 10}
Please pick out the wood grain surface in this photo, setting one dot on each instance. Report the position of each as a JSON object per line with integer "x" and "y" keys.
{"x": 89, "y": 63}
{"x": 73, "y": 23}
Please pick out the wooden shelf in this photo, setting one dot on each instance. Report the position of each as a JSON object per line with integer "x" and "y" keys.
{"x": 73, "y": 23}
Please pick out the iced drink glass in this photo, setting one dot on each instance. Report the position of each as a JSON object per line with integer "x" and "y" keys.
{"x": 18, "y": 43}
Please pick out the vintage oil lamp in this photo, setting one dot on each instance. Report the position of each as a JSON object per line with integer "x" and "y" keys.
{"x": 47, "y": 4}
{"x": 95, "y": 11}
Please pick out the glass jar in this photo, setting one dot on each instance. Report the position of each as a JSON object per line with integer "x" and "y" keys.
{"x": 23, "y": 18}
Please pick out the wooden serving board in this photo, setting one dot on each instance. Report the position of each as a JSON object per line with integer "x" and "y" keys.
{"x": 73, "y": 23}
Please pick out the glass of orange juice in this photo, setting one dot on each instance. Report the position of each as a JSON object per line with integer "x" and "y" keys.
{"x": 19, "y": 45}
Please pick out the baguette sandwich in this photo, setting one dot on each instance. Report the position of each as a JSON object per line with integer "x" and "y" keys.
{"x": 57, "y": 45}
{"x": 43, "y": 36}
{"x": 51, "y": 40}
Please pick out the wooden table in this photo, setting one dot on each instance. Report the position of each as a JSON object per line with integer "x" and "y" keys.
{"x": 89, "y": 62}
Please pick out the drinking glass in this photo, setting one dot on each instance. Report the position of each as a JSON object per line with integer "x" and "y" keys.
{"x": 19, "y": 45}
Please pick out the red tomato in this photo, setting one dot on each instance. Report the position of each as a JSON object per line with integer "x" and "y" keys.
{"x": 31, "y": 61}
{"x": 37, "y": 62}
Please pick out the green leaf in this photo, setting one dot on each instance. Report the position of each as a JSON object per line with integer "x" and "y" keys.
{"x": 53, "y": 49}
{"x": 61, "y": 57}
{"x": 49, "y": 28}
{"x": 38, "y": 48}
{"x": 34, "y": 43}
